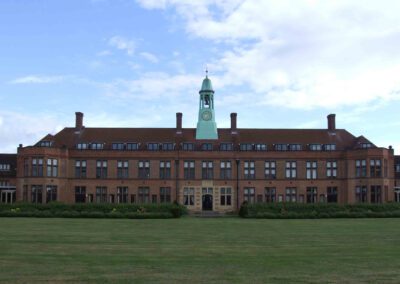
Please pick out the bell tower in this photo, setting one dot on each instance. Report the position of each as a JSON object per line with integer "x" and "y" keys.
{"x": 206, "y": 126}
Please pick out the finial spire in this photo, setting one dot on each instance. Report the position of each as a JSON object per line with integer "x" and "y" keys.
{"x": 206, "y": 71}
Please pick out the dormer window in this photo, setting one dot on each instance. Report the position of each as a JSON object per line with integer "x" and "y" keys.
{"x": 82, "y": 146}
{"x": 280, "y": 147}
{"x": 167, "y": 146}
{"x": 117, "y": 146}
{"x": 246, "y": 147}
{"x": 330, "y": 147}
{"x": 260, "y": 147}
{"x": 226, "y": 147}
{"x": 45, "y": 143}
{"x": 315, "y": 147}
{"x": 207, "y": 147}
{"x": 188, "y": 147}
{"x": 295, "y": 147}
{"x": 132, "y": 146}
{"x": 96, "y": 146}
{"x": 366, "y": 145}
{"x": 5, "y": 167}
{"x": 152, "y": 146}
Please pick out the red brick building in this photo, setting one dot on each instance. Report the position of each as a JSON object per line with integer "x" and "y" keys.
{"x": 205, "y": 168}
{"x": 8, "y": 178}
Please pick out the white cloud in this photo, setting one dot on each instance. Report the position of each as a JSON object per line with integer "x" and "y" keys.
{"x": 25, "y": 129}
{"x": 301, "y": 54}
{"x": 37, "y": 79}
{"x": 123, "y": 44}
{"x": 149, "y": 56}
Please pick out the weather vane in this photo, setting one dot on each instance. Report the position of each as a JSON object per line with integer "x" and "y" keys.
{"x": 206, "y": 71}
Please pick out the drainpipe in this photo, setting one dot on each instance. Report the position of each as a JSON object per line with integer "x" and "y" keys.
{"x": 177, "y": 180}
{"x": 237, "y": 183}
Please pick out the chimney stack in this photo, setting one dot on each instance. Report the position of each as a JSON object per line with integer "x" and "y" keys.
{"x": 233, "y": 122}
{"x": 78, "y": 120}
{"x": 331, "y": 122}
{"x": 178, "y": 122}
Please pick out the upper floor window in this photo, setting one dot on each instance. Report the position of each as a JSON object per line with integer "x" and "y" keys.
{"x": 291, "y": 169}
{"x": 80, "y": 168}
{"x": 45, "y": 143}
{"x": 207, "y": 147}
{"x": 207, "y": 170}
{"x": 246, "y": 147}
{"x": 397, "y": 168}
{"x": 295, "y": 147}
{"x": 52, "y": 167}
{"x": 165, "y": 169}
{"x": 82, "y": 146}
{"x": 375, "y": 168}
{"x": 260, "y": 147}
{"x": 101, "y": 169}
{"x": 311, "y": 169}
{"x": 117, "y": 146}
{"x": 226, "y": 170}
{"x": 96, "y": 146}
{"x": 132, "y": 146}
{"x": 188, "y": 170}
{"x": 361, "y": 168}
{"x": 366, "y": 145}
{"x": 5, "y": 167}
{"x": 281, "y": 147}
{"x": 331, "y": 169}
{"x": 188, "y": 147}
{"x": 26, "y": 167}
{"x": 315, "y": 147}
{"x": 167, "y": 146}
{"x": 144, "y": 169}
{"x": 249, "y": 170}
{"x": 270, "y": 169}
{"x": 152, "y": 146}
{"x": 330, "y": 147}
{"x": 122, "y": 169}
{"x": 226, "y": 147}
{"x": 37, "y": 167}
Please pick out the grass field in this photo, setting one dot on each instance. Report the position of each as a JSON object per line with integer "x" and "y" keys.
{"x": 193, "y": 250}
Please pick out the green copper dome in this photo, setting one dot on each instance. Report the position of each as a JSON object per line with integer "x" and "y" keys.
{"x": 206, "y": 86}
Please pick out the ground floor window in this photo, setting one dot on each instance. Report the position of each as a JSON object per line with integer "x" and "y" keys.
{"x": 101, "y": 194}
{"x": 270, "y": 194}
{"x": 80, "y": 194}
{"x": 165, "y": 195}
{"x": 51, "y": 193}
{"x": 37, "y": 193}
{"x": 188, "y": 196}
{"x": 122, "y": 194}
{"x": 154, "y": 198}
{"x": 361, "y": 194}
{"x": 291, "y": 194}
{"x": 311, "y": 194}
{"x": 376, "y": 194}
{"x": 133, "y": 198}
{"x": 397, "y": 195}
{"x": 226, "y": 196}
{"x": 332, "y": 194}
{"x": 249, "y": 194}
{"x": 144, "y": 195}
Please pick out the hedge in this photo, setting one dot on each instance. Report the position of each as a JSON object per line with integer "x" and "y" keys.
{"x": 318, "y": 210}
{"x": 56, "y": 209}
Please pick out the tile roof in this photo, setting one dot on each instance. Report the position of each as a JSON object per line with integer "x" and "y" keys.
{"x": 69, "y": 137}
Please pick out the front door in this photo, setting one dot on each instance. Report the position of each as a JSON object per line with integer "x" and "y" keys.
{"x": 207, "y": 199}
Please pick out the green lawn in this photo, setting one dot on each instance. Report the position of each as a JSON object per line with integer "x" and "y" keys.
{"x": 193, "y": 250}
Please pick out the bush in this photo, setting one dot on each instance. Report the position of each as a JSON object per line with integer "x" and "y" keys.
{"x": 57, "y": 209}
{"x": 318, "y": 210}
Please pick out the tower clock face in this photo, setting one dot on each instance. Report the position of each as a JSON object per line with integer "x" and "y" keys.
{"x": 207, "y": 115}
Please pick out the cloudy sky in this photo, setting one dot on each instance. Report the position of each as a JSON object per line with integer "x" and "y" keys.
{"x": 127, "y": 63}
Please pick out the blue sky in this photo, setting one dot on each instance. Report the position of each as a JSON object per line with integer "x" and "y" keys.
{"x": 126, "y": 63}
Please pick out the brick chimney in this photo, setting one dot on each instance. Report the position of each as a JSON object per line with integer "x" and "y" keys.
{"x": 78, "y": 120}
{"x": 233, "y": 122}
{"x": 331, "y": 122}
{"x": 178, "y": 122}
